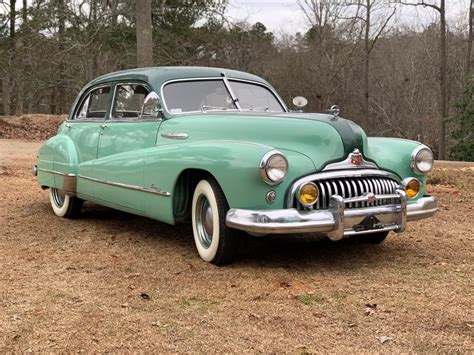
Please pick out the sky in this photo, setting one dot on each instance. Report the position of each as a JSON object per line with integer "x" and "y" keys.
{"x": 285, "y": 16}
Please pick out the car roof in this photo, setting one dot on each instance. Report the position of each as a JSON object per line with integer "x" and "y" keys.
{"x": 156, "y": 76}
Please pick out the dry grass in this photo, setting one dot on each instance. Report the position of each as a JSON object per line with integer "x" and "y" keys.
{"x": 79, "y": 285}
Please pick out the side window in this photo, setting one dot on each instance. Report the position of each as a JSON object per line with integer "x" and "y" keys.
{"x": 129, "y": 100}
{"x": 95, "y": 105}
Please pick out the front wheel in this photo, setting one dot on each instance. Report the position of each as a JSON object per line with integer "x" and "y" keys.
{"x": 216, "y": 243}
{"x": 64, "y": 205}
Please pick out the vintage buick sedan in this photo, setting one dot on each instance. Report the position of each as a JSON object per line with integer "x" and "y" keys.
{"x": 220, "y": 148}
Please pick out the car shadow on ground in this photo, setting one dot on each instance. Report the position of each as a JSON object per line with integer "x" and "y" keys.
{"x": 266, "y": 251}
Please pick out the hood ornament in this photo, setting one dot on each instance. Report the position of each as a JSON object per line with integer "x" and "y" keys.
{"x": 354, "y": 160}
{"x": 356, "y": 157}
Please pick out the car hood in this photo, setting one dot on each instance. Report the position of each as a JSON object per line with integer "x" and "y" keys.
{"x": 321, "y": 137}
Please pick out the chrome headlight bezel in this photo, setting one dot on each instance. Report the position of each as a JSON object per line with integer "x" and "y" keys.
{"x": 265, "y": 165}
{"x": 415, "y": 163}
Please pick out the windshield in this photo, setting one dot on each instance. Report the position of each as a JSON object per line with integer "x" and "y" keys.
{"x": 255, "y": 97}
{"x": 214, "y": 95}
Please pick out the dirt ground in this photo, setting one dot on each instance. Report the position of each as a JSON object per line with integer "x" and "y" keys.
{"x": 111, "y": 281}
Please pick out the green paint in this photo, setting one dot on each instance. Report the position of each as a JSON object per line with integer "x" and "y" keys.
{"x": 227, "y": 146}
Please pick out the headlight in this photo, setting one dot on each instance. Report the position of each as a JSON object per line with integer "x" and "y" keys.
{"x": 412, "y": 187}
{"x": 422, "y": 160}
{"x": 273, "y": 167}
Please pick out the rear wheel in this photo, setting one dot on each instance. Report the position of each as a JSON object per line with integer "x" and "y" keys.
{"x": 374, "y": 238}
{"x": 64, "y": 205}
{"x": 216, "y": 243}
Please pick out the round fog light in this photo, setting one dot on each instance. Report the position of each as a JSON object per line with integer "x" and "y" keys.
{"x": 308, "y": 194}
{"x": 412, "y": 187}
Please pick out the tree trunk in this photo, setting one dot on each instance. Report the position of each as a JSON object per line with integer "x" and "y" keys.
{"x": 144, "y": 33}
{"x": 61, "y": 85}
{"x": 6, "y": 94}
{"x": 443, "y": 85}
{"x": 12, "y": 22}
{"x": 469, "y": 44}
{"x": 366, "y": 113}
{"x": 24, "y": 11}
{"x": 11, "y": 80}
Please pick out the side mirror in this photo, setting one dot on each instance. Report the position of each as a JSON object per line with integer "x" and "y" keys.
{"x": 300, "y": 102}
{"x": 152, "y": 99}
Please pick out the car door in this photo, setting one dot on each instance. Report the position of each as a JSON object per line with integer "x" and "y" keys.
{"x": 123, "y": 137}
{"x": 84, "y": 129}
{"x": 85, "y": 126}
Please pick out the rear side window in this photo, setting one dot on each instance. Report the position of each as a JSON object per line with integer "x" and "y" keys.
{"x": 95, "y": 104}
{"x": 129, "y": 100}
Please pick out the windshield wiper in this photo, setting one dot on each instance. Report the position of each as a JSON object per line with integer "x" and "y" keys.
{"x": 264, "y": 108}
{"x": 205, "y": 108}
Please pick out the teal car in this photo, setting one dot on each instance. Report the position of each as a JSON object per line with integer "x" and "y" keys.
{"x": 220, "y": 149}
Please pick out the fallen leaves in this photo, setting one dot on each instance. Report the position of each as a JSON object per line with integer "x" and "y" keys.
{"x": 371, "y": 309}
{"x": 145, "y": 296}
{"x": 383, "y": 339}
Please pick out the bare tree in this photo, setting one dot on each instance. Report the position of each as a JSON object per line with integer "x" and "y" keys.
{"x": 370, "y": 39}
{"x": 144, "y": 33}
{"x": 443, "y": 68}
{"x": 469, "y": 43}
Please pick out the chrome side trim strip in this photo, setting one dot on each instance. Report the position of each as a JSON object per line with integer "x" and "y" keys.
{"x": 151, "y": 190}
{"x": 172, "y": 135}
{"x": 55, "y": 172}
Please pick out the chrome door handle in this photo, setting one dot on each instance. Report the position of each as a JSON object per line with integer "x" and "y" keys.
{"x": 68, "y": 125}
{"x": 103, "y": 126}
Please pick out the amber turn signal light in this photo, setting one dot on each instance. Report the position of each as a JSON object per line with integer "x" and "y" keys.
{"x": 412, "y": 187}
{"x": 308, "y": 194}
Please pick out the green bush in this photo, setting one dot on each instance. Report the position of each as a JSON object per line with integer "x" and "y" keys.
{"x": 463, "y": 149}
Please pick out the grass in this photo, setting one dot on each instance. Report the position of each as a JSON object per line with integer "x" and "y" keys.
{"x": 310, "y": 299}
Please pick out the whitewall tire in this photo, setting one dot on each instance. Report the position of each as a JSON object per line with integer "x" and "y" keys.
{"x": 215, "y": 242}
{"x": 64, "y": 205}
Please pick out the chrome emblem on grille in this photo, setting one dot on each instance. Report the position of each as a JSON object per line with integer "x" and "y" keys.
{"x": 371, "y": 197}
{"x": 356, "y": 157}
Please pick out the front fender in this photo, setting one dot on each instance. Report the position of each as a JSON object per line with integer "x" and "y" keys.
{"x": 394, "y": 155}
{"x": 235, "y": 166}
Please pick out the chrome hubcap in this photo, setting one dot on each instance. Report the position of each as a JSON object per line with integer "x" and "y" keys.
{"x": 58, "y": 197}
{"x": 204, "y": 221}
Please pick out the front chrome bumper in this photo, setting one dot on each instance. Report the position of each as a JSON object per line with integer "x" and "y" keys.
{"x": 337, "y": 221}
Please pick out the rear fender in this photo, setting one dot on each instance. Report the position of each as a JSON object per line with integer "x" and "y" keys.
{"x": 57, "y": 163}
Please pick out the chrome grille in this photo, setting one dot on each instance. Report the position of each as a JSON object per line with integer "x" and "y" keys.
{"x": 353, "y": 187}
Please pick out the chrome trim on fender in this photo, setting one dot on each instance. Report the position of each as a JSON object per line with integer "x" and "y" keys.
{"x": 336, "y": 221}
{"x": 172, "y": 135}
{"x": 69, "y": 180}
{"x": 34, "y": 170}
{"x": 56, "y": 172}
{"x": 152, "y": 189}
